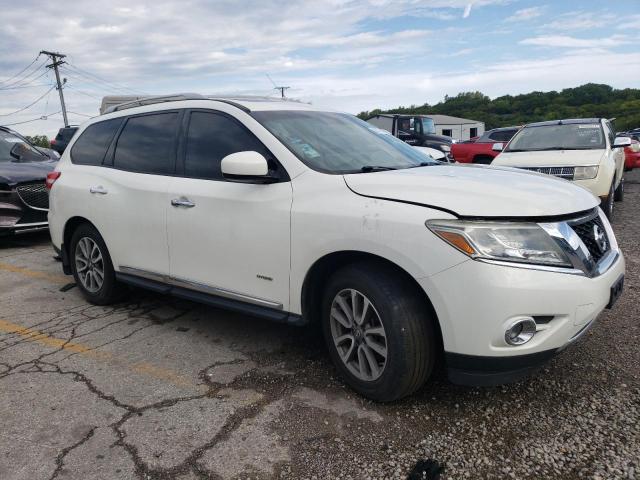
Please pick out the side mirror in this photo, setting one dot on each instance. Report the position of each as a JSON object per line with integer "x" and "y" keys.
{"x": 621, "y": 142}
{"x": 246, "y": 167}
{"x": 497, "y": 147}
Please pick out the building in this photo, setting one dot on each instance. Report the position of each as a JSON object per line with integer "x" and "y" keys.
{"x": 456, "y": 127}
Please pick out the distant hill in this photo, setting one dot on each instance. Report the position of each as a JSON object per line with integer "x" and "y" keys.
{"x": 589, "y": 100}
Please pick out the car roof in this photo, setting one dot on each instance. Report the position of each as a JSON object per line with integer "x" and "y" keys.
{"x": 568, "y": 121}
{"x": 502, "y": 129}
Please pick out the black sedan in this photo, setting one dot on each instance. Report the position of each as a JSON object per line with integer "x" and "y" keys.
{"x": 24, "y": 199}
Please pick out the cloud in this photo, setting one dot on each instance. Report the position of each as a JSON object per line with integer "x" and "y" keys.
{"x": 573, "y": 42}
{"x": 467, "y": 10}
{"x": 526, "y": 14}
{"x": 582, "y": 21}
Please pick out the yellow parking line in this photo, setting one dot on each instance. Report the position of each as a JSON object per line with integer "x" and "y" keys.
{"x": 146, "y": 369}
{"x": 7, "y": 267}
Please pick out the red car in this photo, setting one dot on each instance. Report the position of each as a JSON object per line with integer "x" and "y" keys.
{"x": 478, "y": 149}
{"x": 632, "y": 155}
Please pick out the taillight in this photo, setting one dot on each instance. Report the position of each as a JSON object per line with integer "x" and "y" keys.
{"x": 52, "y": 142}
{"x": 51, "y": 179}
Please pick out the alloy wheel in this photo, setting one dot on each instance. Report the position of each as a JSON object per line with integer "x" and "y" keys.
{"x": 358, "y": 334}
{"x": 89, "y": 264}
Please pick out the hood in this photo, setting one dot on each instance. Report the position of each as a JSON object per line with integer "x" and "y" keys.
{"x": 17, "y": 172}
{"x": 476, "y": 190}
{"x": 438, "y": 138}
{"x": 551, "y": 158}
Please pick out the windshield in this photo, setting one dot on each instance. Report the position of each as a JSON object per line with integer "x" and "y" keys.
{"x": 416, "y": 125}
{"x": 15, "y": 149}
{"x": 340, "y": 143}
{"x": 571, "y": 136}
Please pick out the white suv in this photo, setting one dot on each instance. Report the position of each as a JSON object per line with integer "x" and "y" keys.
{"x": 300, "y": 215}
{"x": 584, "y": 150}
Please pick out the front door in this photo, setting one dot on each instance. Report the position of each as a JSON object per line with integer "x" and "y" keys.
{"x": 227, "y": 238}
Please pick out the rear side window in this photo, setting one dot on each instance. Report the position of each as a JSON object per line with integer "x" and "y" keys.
{"x": 147, "y": 144}
{"x": 93, "y": 143}
{"x": 502, "y": 135}
{"x": 212, "y": 137}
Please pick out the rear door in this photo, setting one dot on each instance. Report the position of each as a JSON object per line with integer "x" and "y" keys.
{"x": 131, "y": 192}
{"x": 230, "y": 239}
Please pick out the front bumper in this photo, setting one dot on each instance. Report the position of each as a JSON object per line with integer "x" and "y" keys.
{"x": 18, "y": 217}
{"x": 476, "y": 302}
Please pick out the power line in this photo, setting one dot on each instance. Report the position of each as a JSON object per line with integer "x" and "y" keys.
{"x": 26, "y": 76}
{"x": 82, "y": 92}
{"x": 44, "y": 117}
{"x": 276, "y": 87}
{"x": 81, "y": 114}
{"x": 28, "y": 106}
{"x": 113, "y": 84}
{"x": 92, "y": 83}
{"x": 26, "y": 84}
{"x": 20, "y": 72}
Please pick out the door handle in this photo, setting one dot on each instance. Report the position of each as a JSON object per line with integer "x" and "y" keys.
{"x": 99, "y": 189}
{"x": 182, "y": 202}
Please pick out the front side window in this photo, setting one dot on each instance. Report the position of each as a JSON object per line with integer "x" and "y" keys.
{"x": 339, "y": 143}
{"x": 16, "y": 149}
{"x": 93, "y": 143}
{"x": 212, "y": 137}
{"x": 568, "y": 136}
{"x": 147, "y": 144}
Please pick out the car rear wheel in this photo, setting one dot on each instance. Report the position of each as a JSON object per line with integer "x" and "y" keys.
{"x": 619, "y": 195}
{"x": 92, "y": 267}
{"x": 379, "y": 332}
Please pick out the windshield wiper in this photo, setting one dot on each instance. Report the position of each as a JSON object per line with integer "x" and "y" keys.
{"x": 376, "y": 168}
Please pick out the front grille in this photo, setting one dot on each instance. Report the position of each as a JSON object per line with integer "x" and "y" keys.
{"x": 587, "y": 234}
{"x": 562, "y": 172}
{"x": 34, "y": 195}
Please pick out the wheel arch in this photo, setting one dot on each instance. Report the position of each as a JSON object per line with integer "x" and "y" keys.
{"x": 319, "y": 273}
{"x": 69, "y": 227}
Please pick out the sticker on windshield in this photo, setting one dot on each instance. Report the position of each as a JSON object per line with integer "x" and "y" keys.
{"x": 309, "y": 151}
{"x": 595, "y": 125}
{"x": 13, "y": 140}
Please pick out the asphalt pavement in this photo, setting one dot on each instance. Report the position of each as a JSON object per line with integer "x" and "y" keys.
{"x": 158, "y": 388}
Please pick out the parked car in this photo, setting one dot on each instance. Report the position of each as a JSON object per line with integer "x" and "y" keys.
{"x": 585, "y": 151}
{"x": 416, "y": 130}
{"x": 24, "y": 200}
{"x": 64, "y": 136}
{"x": 480, "y": 149}
{"x": 632, "y": 155}
{"x": 300, "y": 215}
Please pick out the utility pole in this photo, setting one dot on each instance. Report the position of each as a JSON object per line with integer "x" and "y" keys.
{"x": 275, "y": 87}
{"x": 282, "y": 89}
{"x": 56, "y": 60}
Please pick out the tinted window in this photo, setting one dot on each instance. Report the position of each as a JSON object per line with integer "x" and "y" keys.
{"x": 212, "y": 137}
{"x": 147, "y": 144}
{"x": 90, "y": 148}
{"x": 502, "y": 135}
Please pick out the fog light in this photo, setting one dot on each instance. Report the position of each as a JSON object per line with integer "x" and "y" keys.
{"x": 521, "y": 331}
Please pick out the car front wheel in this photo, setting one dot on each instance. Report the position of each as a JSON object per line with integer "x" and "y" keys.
{"x": 379, "y": 332}
{"x": 607, "y": 205}
{"x": 619, "y": 195}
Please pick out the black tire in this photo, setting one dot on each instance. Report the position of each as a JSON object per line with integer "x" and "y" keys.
{"x": 111, "y": 291}
{"x": 619, "y": 193}
{"x": 607, "y": 205}
{"x": 409, "y": 327}
{"x": 483, "y": 159}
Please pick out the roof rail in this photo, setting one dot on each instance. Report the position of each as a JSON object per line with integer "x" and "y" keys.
{"x": 155, "y": 99}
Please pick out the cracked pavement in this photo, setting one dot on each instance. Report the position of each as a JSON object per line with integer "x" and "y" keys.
{"x": 158, "y": 388}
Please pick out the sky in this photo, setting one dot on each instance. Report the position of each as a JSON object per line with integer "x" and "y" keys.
{"x": 348, "y": 55}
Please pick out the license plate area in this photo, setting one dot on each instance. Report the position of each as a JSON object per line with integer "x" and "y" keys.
{"x": 616, "y": 291}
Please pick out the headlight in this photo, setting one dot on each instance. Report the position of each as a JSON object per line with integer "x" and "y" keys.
{"x": 503, "y": 241}
{"x": 585, "y": 173}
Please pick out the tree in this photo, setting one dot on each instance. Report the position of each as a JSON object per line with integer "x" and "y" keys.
{"x": 39, "y": 140}
{"x": 585, "y": 101}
